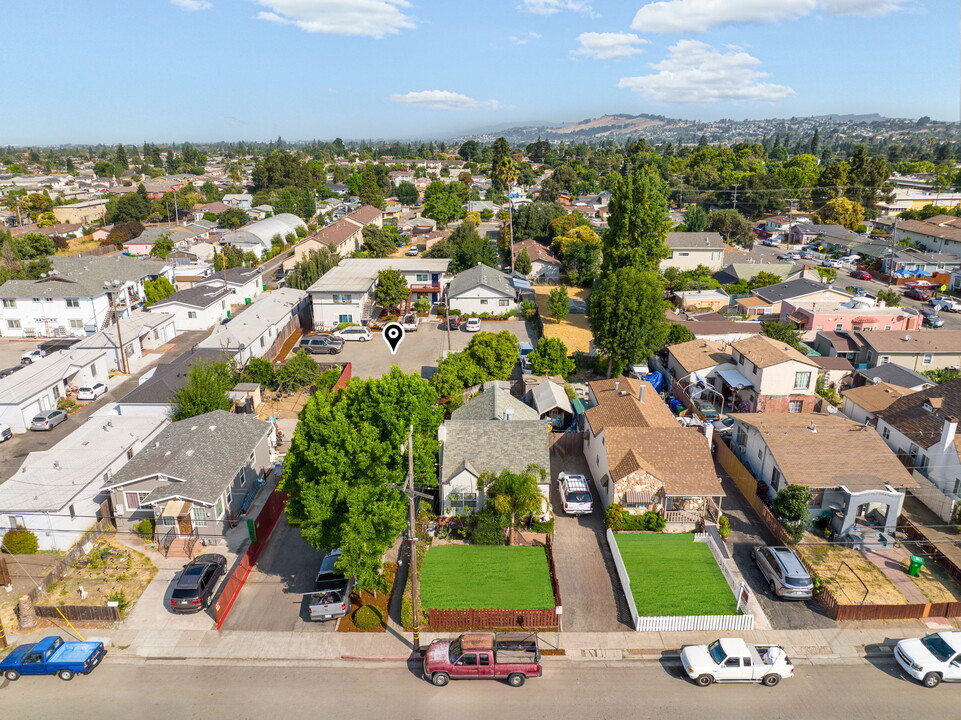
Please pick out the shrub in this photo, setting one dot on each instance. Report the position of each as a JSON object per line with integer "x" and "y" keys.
{"x": 543, "y": 526}
{"x": 529, "y": 309}
{"x": 489, "y": 528}
{"x": 341, "y": 326}
{"x": 145, "y": 528}
{"x": 123, "y": 602}
{"x": 614, "y": 517}
{"x": 723, "y": 526}
{"x": 368, "y": 617}
{"x": 422, "y": 305}
{"x": 20, "y": 541}
{"x": 617, "y": 518}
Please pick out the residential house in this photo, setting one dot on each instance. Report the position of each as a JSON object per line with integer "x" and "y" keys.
{"x": 245, "y": 284}
{"x": 399, "y": 176}
{"x": 82, "y": 213}
{"x": 257, "y": 237}
{"x": 767, "y": 300}
{"x": 260, "y": 331}
{"x": 197, "y": 308}
{"x": 72, "y": 300}
{"x": 143, "y": 334}
{"x": 419, "y": 226}
{"x": 712, "y": 326}
{"x": 782, "y": 224}
{"x": 831, "y": 343}
{"x": 495, "y": 402}
{"x": 940, "y": 234}
{"x": 347, "y": 293}
{"x": 735, "y": 272}
{"x": 919, "y": 350}
{"x": 260, "y": 212}
{"x": 715, "y": 300}
{"x": 690, "y": 249}
{"x": 549, "y": 399}
{"x": 804, "y": 233}
{"x": 214, "y": 208}
{"x": 241, "y": 201}
{"x": 187, "y": 276}
{"x": 341, "y": 236}
{"x": 39, "y": 385}
{"x": 780, "y": 379}
{"x": 697, "y": 360}
{"x": 862, "y": 404}
{"x": 857, "y": 483}
{"x": 922, "y": 428}
{"x": 544, "y": 264}
{"x": 57, "y": 493}
{"x": 643, "y": 460}
{"x": 366, "y": 215}
{"x": 182, "y": 238}
{"x": 482, "y": 289}
{"x": 197, "y": 477}
{"x": 893, "y": 375}
{"x": 858, "y": 313}
{"x": 912, "y": 263}
{"x": 834, "y": 371}
{"x": 155, "y": 395}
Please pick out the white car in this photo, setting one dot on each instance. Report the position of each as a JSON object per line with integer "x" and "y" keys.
{"x": 832, "y": 263}
{"x": 789, "y": 256}
{"x": 91, "y": 392}
{"x": 32, "y": 356}
{"x": 413, "y": 252}
{"x": 472, "y": 325}
{"x": 945, "y": 303}
{"x": 5, "y": 432}
{"x": 732, "y": 660}
{"x": 932, "y": 658}
{"x": 354, "y": 332}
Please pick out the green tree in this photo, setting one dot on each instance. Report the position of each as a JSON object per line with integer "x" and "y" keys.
{"x": 345, "y": 454}
{"x": 104, "y": 169}
{"x": 127, "y": 207}
{"x": 522, "y": 263}
{"x": 550, "y": 358}
{"x": 581, "y": 262}
{"x": 298, "y": 372}
{"x": 162, "y": 247}
{"x": 441, "y": 203}
{"x": 732, "y": 226}
{"x": 514, "y": 494}
{"x": 626, "y": 312}
{"x": 46, "y": 219}
{"x": 500, "y": 152}
{"x": 891, "y": 298}
{"x": 260, "y": 371}
{"x": 783, "y": 331}
{"x": 534, "y": 220}
{"x": 791, "y": 506}
{"x": 763, "y": 279}
{"x": 696, "y": 219}
{"x": 380, "y": 241}
{"x": 466, "y": 248}
{"x": 407, "y": 193}
{"x": 310, "y": 268}
{"x": 942, "y": 375}
{"x": 558, "y": 304}
{"x": 840, "y": 211}
{"x": 392, "y": 289}
{"x": 32, "y": 246}
{"x": 677, "y": 333}
{"x": 205, "y": 390}
{"x": 36, "y": 204}
{"x": 233, "y": 218}
{"x": 638, "y": 222}
{"x": 827, "y": 274}
{"x": 488, "y": 356}
{"x": 157, "y": 290}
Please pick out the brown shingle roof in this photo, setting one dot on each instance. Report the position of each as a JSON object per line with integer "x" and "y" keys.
{"x": 616, "y": 410}
{"x": 364, "y": 215}
{"x": 335, "y": 233}
{"x": 833, "y": 363}
{"x": 765, "y": 352}
{"x": 698, "y": 354}
{"x": 874, "y": 398}
{"x": 841, "y": 452}
{"x": 916, "y": 341}
{"x": 536, "y": 251}
{"x": 678, "y": 457}
{"x": 909, "y": 416}
{"x": 749, "y": 302}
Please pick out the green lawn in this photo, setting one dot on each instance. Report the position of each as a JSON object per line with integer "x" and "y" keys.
{"x": 673, "y": 575}
{"x": 458, "y": 577}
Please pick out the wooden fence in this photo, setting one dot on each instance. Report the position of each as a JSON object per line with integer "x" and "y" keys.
{"x": 75, "y": 552}
{"x": 541, "y": 619}
{"x": 555, "y": 583}
{"x": 4, "y": 572}
{"x": 80, "y": 613}
{"x": 747, "y": 484}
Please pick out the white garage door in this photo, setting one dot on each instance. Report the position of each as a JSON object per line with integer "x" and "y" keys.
{"x": 29, "y": 411}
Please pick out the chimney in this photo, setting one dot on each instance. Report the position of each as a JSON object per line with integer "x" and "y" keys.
{"x": 508, "y": 413}
{"x": 949, "y": 430}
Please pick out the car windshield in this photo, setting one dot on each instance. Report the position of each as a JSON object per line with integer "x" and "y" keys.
{"x": 716, "y": 653}
{"x": 937, "y": 647}
{"x": 797, "y": 581}
{"x": 184, "y": 594}
{"x": 85, "y": 389}
{"x": 39, "y": 419}
{"x": 578, "y": 497}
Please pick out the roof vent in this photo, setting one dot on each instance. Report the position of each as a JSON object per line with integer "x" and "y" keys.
{"x": 56, "y": 465}
{"x": 192, "y": 428}
{"x": 190, "y": 452}
{"x": 157, "y": 444}
{"x": 617, "y": 384}
{"x": 907, "y": 337}
{"x": 813, "y": 428}
{"x": 212, "y": 428}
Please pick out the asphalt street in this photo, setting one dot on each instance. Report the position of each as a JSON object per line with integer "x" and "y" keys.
{"x": 389, "y": 690}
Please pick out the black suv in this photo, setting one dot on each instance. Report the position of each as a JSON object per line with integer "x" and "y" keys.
{"x": 196, "y": 584}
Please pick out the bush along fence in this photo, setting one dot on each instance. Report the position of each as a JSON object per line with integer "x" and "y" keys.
{"x": 835, "y": 609}
{"x": 679, "y": 623}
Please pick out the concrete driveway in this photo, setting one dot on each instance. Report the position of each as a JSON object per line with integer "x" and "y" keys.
{"x": 12, "y": 348}
{"x": 590, "y": 591}
{"x": 273, "y": 599}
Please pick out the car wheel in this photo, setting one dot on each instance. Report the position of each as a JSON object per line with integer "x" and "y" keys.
{"x": 931, "y": 680}
{"x": 770, "y": 680}
{"x": 515, "y": 680}
{"x": 704, "y": 680}
{"x": 773, "y": 588}
{"x": 440, "y": 679}
{"x": 65, "y": 675}
{"x": 363, "y": 339}
{"x": 11, "y": 675}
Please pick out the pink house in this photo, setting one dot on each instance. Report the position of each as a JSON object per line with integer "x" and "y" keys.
{"x": 856, "y": 314}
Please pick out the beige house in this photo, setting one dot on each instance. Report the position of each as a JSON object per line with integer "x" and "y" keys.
{"x": 84, "y": 213}
{"x": 779, "y": 378}
{"x": 862, "y": 404}
{"x": 690, "y": 249}
{"x": 715, "y": 300}
{"x": 799, "y": 289}
{"x": 919, "y": 350}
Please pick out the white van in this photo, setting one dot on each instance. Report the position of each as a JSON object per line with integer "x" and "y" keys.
{"x": 575, "y": 494}
{"x": 354, "y": 332}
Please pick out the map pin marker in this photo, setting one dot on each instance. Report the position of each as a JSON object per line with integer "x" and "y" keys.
{"x": 393, "y": 335}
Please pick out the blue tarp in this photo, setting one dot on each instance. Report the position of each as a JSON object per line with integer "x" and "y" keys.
{"x": 656, "y": 380}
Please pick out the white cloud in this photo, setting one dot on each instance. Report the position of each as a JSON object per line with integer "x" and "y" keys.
{"x": 192, "y": 4}
{"x": 524, "y": 39}
{"x": 371, "y": 18}
{"x": 701, "y": 15}
{"x": 549, "y": 7}
{"x": 695, "y": 72}
{"x": 605, "y": 46}
{"x": 443, "y": 100}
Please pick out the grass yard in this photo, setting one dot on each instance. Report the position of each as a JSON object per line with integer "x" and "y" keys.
{"x": 845, "y": 572}
{"x": 575, "y": 330}
{"x": 673, "y": 575}
{"x": 459, "y": 577}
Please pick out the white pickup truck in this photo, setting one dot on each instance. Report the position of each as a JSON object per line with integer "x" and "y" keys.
{"x": 731, "y": 660}
{"x": 932, "y": 658}
{"x": 945, "y": 303}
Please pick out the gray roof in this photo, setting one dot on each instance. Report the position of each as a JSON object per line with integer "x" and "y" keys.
{"x": 43, "y": 374}
{"x": 268, "y": 311}
{"x": 263, "y": 231}
{"x": 167, "y": 378}
{"x": 491, "y": 404}
{"x": 549, "y": 395}
{"x": 478, "y": 275}
{"x": 131, "y": 328}
{"x": 798, "y": 287}
{"x": 826, "y": 230}
{"x": 199, "y": 296}
{"x": 895, "y": 375}
{"x": 83, "y": 276}
{"x": 737, "y": 271}
{"x": 205, "y": 452}
{"x": 695, "y": 241}
{"x": 236, "y": 275}
{"x": 358, "y": 274}
{"x": 494, "y": 446}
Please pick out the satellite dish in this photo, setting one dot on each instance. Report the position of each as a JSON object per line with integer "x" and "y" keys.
{"x": 875, "y": 380}
{"x": 832, "y": 410}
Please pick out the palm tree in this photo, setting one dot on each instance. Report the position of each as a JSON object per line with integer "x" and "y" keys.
{"x": 515, "y": 494}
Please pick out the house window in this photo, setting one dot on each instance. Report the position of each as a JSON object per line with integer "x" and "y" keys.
{"x": 242, "y": 477}
{"x": 886, "y": 432}
{"x": 840, "y": 326}
{"x": 927, "y": 359}
{"x": 167, "y": 521}
{"x": 15, "y": 521}
{"x": 134, "y": 500}
{"x": 740, "y": 359}
{"x": 263, "y": 341}
{"x": 337, "y": 298}
{"x": 422, "y": 277}
{"x": 887, "y": 327}
{"x": 483, "y": 302}
{"x": 775, "y": 478}
{"x": 9, "y": 303}
{"x": 795, "y": 406}
{"x": 461, "y": 502}
{"x": 191, "y": 314}
{"x": 503, "y": 303}
{"x": 13, "y": 324}
{"x": 76, "y": 324}
{"x": 682, "y": 254}
{"x": 219, "y": 509}
{"x": 56, "y": 391}
{"x": 73, "y": 512}
{"x": 199, "y": 516}
{"x": 345, "y": 318}
{"x": 753, "y": 369}
{"x": 73, "y": 302}
{"x": 802, "y": 380}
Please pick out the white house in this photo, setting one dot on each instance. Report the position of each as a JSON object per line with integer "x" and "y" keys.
{"x": 544, "y": 264}
{"x": 196, "y": 308}
{"x": 57, "y": 493}
{"x": 347, "y": 293}
{"x": 245, "y": 284}
{"x": 72, "y": 299}
{"x": 690, "y": 249}
{"x": 40, "y": 384}
{"x": 142, "y": 331}
{"x": 242, "y": 201}
{"x": 258, "y": 236}
{"x": 482, "y": 289}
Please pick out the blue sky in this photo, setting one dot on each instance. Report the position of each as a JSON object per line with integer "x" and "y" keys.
{"x": 206, "y": 70}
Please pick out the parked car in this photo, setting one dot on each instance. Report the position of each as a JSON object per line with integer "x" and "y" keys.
{"x": 771, "y": 242}
{"x": 196, "y": 583}
{"x": 785, "y": 573}
{"x": 57, "y": 344}
{"x": 732, "y": 660}
{"x": 331, "y": 596}
{"x": 789, "y": 256}
{"x": 412, "y": 252}
{"x": 53, "y": 656}
{"x": 354, "y": 332}
{"x": 91, "y": 392}
{"x": 932, "y": 659}
{"x": 10, "y": 370}
{"x": 47, "y": 420}
{"x": 5, "y": 432}
{"x": 523, "y": 350}
{"x": 472, "y": 325}
{"x": 916, "y": 294}
{"x": 453, "y": 322}
{"x": 409, "y": 322}
{"x": 513, "y": 657}
{"x": 831, "y": 263}
{"x": 322, "y": 344}
{"x": 706, "y": 408}
{"x": 32, "y": 356}
{"x": 930, "y": 318}
{"x": 575, "y": 494}
{"x": 857, "y": 290}
{"x": 946, "y": 303}
{"x": 861, "y": 275}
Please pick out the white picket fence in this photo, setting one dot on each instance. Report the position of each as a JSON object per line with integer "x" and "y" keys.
{"x": 624, "y": 577}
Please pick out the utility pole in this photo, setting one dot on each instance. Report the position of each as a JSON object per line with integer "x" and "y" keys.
{"x": 734, "y": 200}
{"x": 893, "y": 241}
{"x": 116, "y": 286}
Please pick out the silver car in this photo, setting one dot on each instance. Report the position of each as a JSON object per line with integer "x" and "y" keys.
{"x": 786, "y": 575}
{"x": 47, "y": 420}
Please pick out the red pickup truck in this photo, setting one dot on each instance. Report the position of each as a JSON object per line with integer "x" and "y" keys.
{"x": 484, "y": 656}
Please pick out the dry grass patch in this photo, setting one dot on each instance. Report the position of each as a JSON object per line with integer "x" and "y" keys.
{"x": 845, "y": 580}
{"x": 574, "y": 330}
{"x": 936, "y": 585}
{"x": 79, "y": 245}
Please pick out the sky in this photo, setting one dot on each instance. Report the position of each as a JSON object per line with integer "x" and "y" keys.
{"x": 206, "y": 70}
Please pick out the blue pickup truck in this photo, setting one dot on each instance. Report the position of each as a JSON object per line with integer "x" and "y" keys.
{"x": 53, "y": 656}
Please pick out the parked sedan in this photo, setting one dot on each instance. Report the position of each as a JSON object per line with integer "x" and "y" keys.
{"x": 857, "y": 290}
{"x": 861, "y": 275}
{"x": 5, "y": 432}
{"x": 91, "y": 392}
{"x": 47, "y": 420}
{"x": 831, "y": 263}
{"x": 789, "y": 256}
{"x": 930, "y": 318}
{"x": 196, "y": 583}
{"x": 917, "y": 294}
{"x": 354, "y": 332}
{"x": 472, "y": 325}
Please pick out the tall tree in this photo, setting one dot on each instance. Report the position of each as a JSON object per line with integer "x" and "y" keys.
{"x": 392, "y": 288}
{"x": 558, "y": 304}
{"x": 407, "y": 193}
{"x": 500, "y": 150}
{"x": 205, "y": 390}
{"x": 514, "y": 494}
{"x": 732, "y": 226}
{"x": 522, "y": 263}
{"x": 840, "y": 211}
{"x": 550, "y": 358}
{"x": 783, "y": 331}
{"x": 696, "y": 219}
{"x": 233, "y": 218}
{"x": 638, "y": 222}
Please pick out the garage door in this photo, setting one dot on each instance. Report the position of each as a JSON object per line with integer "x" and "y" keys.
{"x": 29, "y": 411}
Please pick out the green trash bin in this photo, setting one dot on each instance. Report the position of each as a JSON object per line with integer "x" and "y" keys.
{"x": 914, "y": 569}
